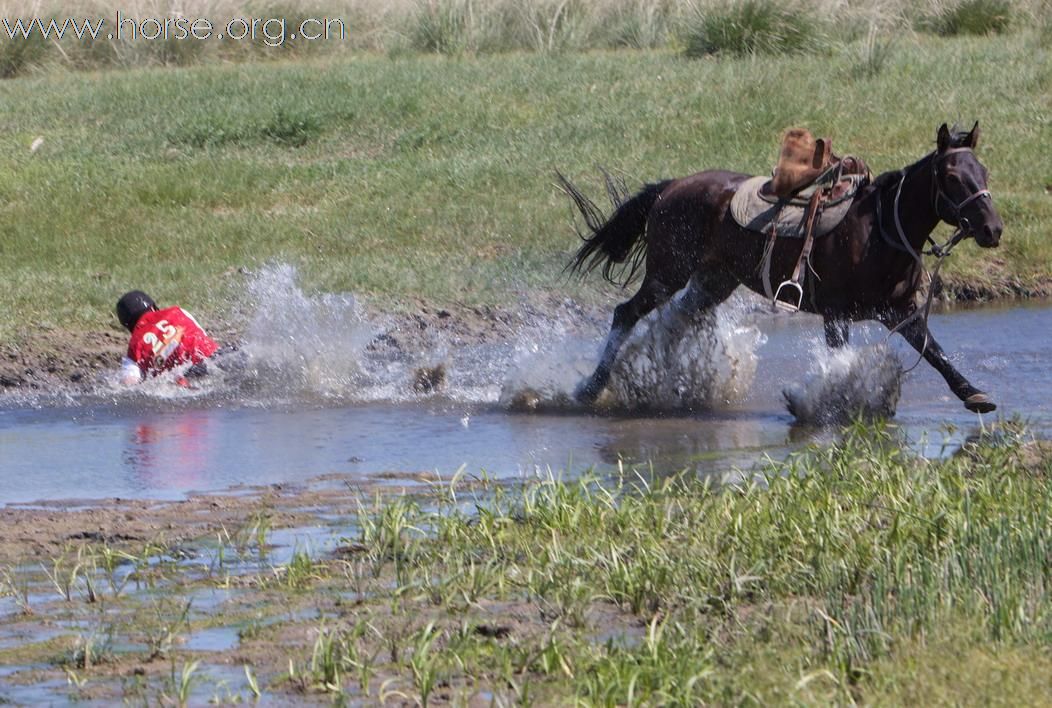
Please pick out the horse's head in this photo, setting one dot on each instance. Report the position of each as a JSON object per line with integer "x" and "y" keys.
{"x": 959, "y": 187}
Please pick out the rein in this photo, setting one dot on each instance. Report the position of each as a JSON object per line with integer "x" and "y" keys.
{"x": 941, "y": 252}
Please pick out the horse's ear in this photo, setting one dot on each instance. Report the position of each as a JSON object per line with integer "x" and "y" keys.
{"x": 944, "y": 137}
{"x": 973, "y": 137}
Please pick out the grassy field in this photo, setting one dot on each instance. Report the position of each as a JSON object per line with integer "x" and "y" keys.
{"x": 409, "y": 175}
{"x": 850, "y": 573}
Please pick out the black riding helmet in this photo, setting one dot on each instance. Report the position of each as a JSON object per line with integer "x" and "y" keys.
{"x": 132, "y": 306}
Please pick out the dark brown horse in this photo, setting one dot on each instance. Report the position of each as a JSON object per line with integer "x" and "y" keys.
{"x": 867, "y": 268}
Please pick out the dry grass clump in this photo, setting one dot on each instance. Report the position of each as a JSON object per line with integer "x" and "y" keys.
{"x": 698, "y": 27}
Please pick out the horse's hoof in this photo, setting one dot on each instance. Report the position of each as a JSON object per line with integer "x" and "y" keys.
{"x": 980, "y": 403}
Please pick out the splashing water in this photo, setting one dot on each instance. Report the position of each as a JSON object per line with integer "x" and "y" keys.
{"x": 846, "y": 383}
{"x": 293, "y": 344}
{"x": 301, "y": 343}
{"x": 687, "y": 361}
{"x": 298, "y": 345}
{"x": 546, "y": 367}
{"x": 673, "y": 361}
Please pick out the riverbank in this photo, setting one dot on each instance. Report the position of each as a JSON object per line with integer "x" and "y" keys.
{"x": 855, "y": 572}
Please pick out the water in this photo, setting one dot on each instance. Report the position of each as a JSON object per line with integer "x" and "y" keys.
{"x": 212, "y": 639}
{"x": 360, "y": 418}
{"x": 846, "y": 383}
{"x": 146, "y": 444}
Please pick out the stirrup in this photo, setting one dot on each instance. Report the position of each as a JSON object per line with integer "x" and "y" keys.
{"x": 788, "y": 306}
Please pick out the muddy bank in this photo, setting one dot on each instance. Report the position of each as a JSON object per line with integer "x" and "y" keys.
{"x": 53, "y": 527}
{"x": 269, "y": 587}
{"x": 996, "y": 283}
{"x": 550, "y": 593}
{"x": 46, "y": 529}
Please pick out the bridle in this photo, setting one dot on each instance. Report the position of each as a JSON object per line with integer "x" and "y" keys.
{"x": 961, "y": 222}
{"x": 963, "y": 231}
{"x": 938, "y": 195}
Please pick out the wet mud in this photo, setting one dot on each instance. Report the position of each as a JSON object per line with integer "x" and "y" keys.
{"x": 118, "y": 600}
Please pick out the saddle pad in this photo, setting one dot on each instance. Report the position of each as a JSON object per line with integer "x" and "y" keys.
{"x": 755, "y": 211}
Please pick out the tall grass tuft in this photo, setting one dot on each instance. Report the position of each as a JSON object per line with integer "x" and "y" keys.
{"x": 555, "y": 24}
{"x": 476, "y": 26}
{"x": 753, "y": 27}
{"x": 445, "y": 27}
{"x": 640, "y": 24}
{"x": 873, "y": 54}
{"x": 18, "y": 56}
{"x": 971, "y": 17}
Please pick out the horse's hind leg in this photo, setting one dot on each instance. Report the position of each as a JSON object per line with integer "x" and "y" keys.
{"x": 914, "y": 333}
{"x": 651, "y": 294}
{"x": 837, "y": 330}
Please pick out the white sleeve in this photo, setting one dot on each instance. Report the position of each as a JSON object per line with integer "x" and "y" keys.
{"x": 130, "y": 372}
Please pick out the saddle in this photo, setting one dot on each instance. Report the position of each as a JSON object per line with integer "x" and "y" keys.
{"x": 808, "y": 195}
{"x": 802, "y": 160}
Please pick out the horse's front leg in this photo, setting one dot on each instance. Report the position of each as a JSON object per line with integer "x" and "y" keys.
{"x": 919, "y": 337}
{"x": 837, "y": 329}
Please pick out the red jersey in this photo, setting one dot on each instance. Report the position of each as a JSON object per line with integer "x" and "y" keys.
{"x": 167, "y": 338}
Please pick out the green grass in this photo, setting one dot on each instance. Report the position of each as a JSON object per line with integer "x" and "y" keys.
{"x": 424, "y": 176}
{"x": 825, "y": 582}
{"x": 468, "y": 27}
{"x": 854, "y": 572}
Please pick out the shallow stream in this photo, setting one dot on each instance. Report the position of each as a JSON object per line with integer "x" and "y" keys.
{"x": 161, "y": 443}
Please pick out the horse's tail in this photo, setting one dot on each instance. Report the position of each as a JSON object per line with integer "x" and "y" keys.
{"x": 617, "y": 239}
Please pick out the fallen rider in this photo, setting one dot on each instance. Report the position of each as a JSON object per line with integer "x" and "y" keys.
{"x": 161, "y": 340}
